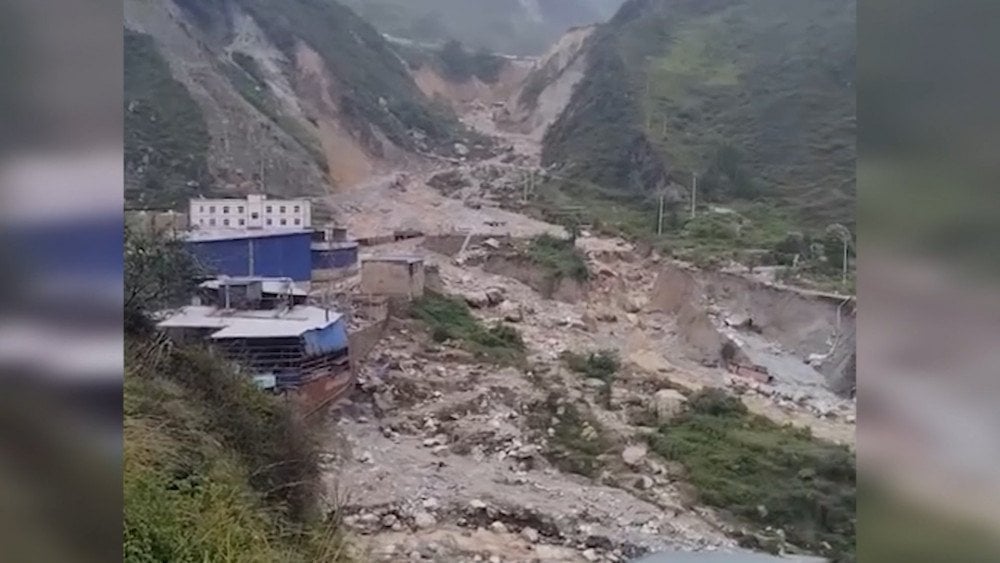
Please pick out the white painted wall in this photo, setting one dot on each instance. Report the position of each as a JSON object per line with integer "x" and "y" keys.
{"x": 254, "y": 212}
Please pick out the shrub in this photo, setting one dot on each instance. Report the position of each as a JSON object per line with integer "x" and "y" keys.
{"x": 559, "y": 256}
{"x": 741, "y": 462}
{"x": 602, "y": 364}
{"x": 449, "y": 318}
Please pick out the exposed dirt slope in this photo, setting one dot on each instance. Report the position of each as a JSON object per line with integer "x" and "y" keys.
{"x": 297, "y": 100}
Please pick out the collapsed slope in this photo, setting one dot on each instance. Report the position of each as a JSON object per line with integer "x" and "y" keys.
{"x": 755, "y": 95}
{"x": 298, "y": 98}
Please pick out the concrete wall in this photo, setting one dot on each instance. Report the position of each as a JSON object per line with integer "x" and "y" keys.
{"x": 397, "y": 278}
{"x": 286, "y": 255}
{"x": 363, "y": 340}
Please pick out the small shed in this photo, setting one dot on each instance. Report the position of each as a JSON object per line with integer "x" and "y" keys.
{"x": 396, "y": 276}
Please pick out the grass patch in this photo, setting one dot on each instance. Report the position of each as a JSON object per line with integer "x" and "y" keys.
{"x": 766, "y": 474}
{"x": 559, "y": 256}
{"x": 577, "y": 441}
{"x": 603, "y": 364}
{"x": 449, "y": 318}
{"x": 214, "y": 469}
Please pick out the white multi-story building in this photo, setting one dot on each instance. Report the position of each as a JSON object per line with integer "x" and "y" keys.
{"x": 254, "y": 212}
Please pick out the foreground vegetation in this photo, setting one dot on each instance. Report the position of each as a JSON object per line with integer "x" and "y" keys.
{"x": 214, "y": 469}
{"x": 765, "y": 474}
{"x": 449, "y": 318}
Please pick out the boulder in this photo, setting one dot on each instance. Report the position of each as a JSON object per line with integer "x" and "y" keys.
{"x": 668, "y": 403}
{"x": 424, "y": 520}
{"x": 634, "y": 454}
{"x": 494, "y": 296}
{"x": 461, "y": 150}
{"x": 511, "y": 312}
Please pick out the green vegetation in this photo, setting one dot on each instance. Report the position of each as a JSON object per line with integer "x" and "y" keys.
{"x": 248, "y": 79}
{"x": 578, "y": 441}
{"x": 449, "y": 318}
{"x": 158, "y": 272}
{"x": 166, "y": 137}
{"x": 214, "y": 469}
{"x": 559, "y": 257}
{"x": 755, "y": 97}
{"x": 603, "y": 364}
{"x": 765, "y": 474}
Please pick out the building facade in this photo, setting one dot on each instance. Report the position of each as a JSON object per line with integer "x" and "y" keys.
{"x": 254, "y": 212}
{"x": 274, "y": 254}
{"x": 395, "y": 276}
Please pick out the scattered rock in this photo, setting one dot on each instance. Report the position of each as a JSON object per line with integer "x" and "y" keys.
{"x": 461, "y": 150}
{"x": 511, "y": 312}
{"x": 594, "y": 383}
{"x": 494, "y": 296}
{"x": 498, "y": 527}
{"x": 389, "y": 520}
{"x": 477, "y": 504}
{"x": 590, "y": 554}
{"x": 633, "y": 455}
{"x": 668, "y": 403}
{"x": 424, "y": 519}
{"x": 529, "y": 534}
{"x": 644, "y": 482}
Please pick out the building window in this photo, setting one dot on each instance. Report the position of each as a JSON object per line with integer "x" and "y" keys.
{"x": 239, "y": 209}
{"x": 201, "y": 209}
{"x": 211, "y": 222}
{"x": 255, "y": 215}
{"x": 282, "y": 209}
{"x": 211, "y": 209}
{"x": 298, "y": 221}
{"x": 225, "y": 209}
{"x": 296, "y": 208}
{"x": 201, "y": 221}
{"x": 268, "y": 221}
{"x": 284, "y": 222}
{"x": 268, "y": 208}
{"x": 242, "y": 222}
{"x": 225, "y": 222}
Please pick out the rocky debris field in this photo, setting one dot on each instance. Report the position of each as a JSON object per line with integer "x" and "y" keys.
{"x": 441, "y": 455}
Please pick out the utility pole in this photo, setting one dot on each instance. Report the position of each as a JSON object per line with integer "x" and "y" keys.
{"x": 843, "y": 279}
{"x": 694, "y": 192}
{"x": 659, "y": 217}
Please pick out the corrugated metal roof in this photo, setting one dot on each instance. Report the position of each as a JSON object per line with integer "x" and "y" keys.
{"x": 342, "y": 245}
{"x": 405, "y": 258}
{"x": 267, "y": 285}
{"x": 237, "y": 234}
{"x": 252, "y": 324}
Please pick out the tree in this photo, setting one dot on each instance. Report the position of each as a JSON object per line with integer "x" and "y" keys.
{"x": 159, "y": 273}
{"x": 455, "y": 61}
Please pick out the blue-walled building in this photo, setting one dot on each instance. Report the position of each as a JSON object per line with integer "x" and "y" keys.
{"x": 272, "y": 254}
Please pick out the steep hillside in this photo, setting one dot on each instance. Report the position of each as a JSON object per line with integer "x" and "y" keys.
{"x": 756, "y": 97}
{"x": 516, "y": 27}
{"x": 297, "y": 96}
